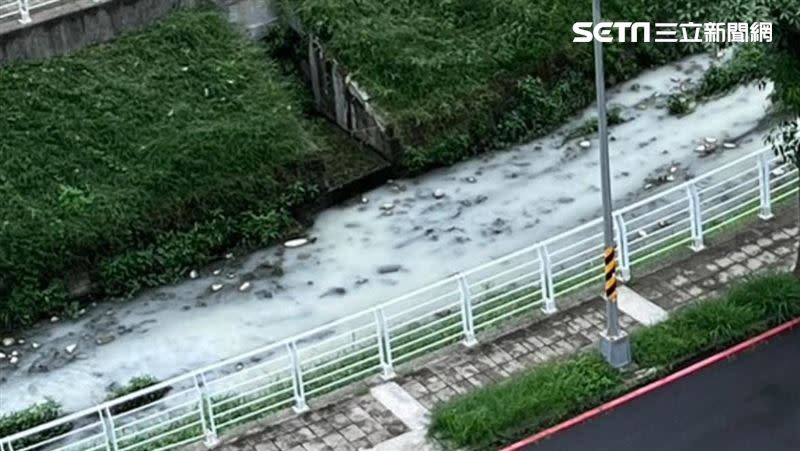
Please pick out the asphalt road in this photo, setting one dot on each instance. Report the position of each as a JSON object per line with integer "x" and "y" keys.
{"x": 751, "y": 403}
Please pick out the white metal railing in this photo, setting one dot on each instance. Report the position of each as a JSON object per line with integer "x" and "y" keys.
{"x": 22, "y": 9}
{"x": 208, "y": 401}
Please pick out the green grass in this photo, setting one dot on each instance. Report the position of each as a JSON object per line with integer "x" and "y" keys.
{"x": 134, "y": 385}
{"x": 31, "y": 417}
{"x": 529, "y": 402}
{"x": 533, "y": 400}
{"x": 133, "y": 161}
{"x": 459, "y": 77}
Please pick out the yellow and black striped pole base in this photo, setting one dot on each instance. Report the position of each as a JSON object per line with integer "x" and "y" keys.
{"x": 611, "y": 274}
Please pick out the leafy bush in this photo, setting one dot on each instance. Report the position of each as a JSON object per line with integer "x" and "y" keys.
{"x": 134, "y": 385}
{"x": 747, "y": 64}
{"x": 31, "y": 417}
{"x": 130, "y": 162}
{"x": 678, "y": 105}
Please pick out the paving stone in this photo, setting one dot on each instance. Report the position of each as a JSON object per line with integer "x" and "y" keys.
{"x": 266, "y": 446}
{"x": 352, "y": 433}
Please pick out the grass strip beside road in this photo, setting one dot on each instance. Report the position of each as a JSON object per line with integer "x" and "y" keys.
{"x": 542, "y": 397}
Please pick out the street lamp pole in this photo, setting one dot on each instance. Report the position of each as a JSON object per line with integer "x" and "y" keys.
{"x": 614, "y": 343}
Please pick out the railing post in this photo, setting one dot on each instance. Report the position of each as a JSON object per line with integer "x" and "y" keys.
{"x": 24, "y": 11}
{"x": 300, "y": 405}
{"x": 466, "y": 312}
{"x": 384, "y": 344}
{"x": 623, "y": 252}
{"x": 108, "y": 429}
{"x": 696, "y": 217}
{"x": 209, "y": 425}
{"x": 764, "y": 187}
{"x": 548, "y": 291}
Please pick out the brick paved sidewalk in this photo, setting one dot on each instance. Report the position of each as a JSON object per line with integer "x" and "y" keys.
{"x": 355, "y": 420}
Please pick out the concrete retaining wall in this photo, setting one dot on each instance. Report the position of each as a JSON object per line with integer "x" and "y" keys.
{"x": 340, "y": 98}
{"x": 72, "y": 25}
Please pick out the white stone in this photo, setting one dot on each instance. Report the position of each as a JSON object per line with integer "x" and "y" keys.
{"x": 14, "y": 353}
{"x": 13, "y": 360}
{"x": 400, "y": 402}
{"x": 229, "y": 255}
{"x": 9, "y": 341}
{"x": 673, "y": 169}
{"x": 54, "y": 319}
{"x": 193, "y": 274}
{"x": 364, "y": 199}
{"x": 216, "y": 287}
{"x": 710, "y": 140}
{"x": 701, "y": 148}
{"x": 585, "y": 144}
{"x": 2, "y": 356}
{"x": 71, "y": 348}
{"x": 639, "y": 308}
{"x": 245, "y": 286}
{"x": 296, "y": 243}
{"x": 729, "y": 145}
{"x": 21, "y": 341}
{"x": 35, "y": 345}
{"x": 217, "y": 272}
{"x": 438, "y": 194}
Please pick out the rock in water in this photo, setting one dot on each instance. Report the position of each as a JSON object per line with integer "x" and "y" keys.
{"x": 438, "y": 194}
{"x": 244, "y": 287}
{"x": 13, "y": 360}
{"x": 71, "y": 348}
{"x": 216, "y": 287}
{"x": 291, "y": 244}
{"x": 729, "y": 146}
{"x": 2, "y": 356}
{"x": 585, "y": 144}
{"x": 193, "y": 274}
{"x": 8, "y": 341}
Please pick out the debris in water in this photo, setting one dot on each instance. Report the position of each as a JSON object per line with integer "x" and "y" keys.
{"x": 9, "y": 341}
{"x": 701, "y": 148}
{"x": 35, "y": 345}
{"x": 387, "y": 206}
{"x": 438, "y": 194}
{"x": 387, "y": 269}
{"x": 71, "y": 348}
{"x": 364, "y": 199}
{"x": 471, "y": 179}
{"x": 239, "y": 366}
{"x": 216, "y": 287}
{"x": 710, "y": 140}
{"x": 231, "y": 275}
{"x": 13, "y": 360}
{"x": 729, "y": 145}
{"x": 2, "y": 356}
{"x": 585, "y": 144}
{"x": 244, "y": 287}
{"x": 663, "y": 223}
{"x": 193, "y": 274}
{"x": 296, "y": 243}
{"x": 335, "y": 291}
{"x": 777, "y": 172}
{"x": 104, "y": 340}
{"x": 54, "y": 319}
{"x": 217, "y": 272}
{"x": 229, "y": 255}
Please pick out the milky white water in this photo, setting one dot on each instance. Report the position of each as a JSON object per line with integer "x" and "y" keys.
{"x": 491, "y": 206}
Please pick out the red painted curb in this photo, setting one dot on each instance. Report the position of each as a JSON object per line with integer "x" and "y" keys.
{"x": 624, "y": 399}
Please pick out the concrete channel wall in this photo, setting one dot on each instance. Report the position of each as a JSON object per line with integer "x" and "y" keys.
{"x": 70, "y": 25}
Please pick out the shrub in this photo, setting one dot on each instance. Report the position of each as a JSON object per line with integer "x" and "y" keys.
{"x": 134, "y": 385}
{"x": 31, "y": 417}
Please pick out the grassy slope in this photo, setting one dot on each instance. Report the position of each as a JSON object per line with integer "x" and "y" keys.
{"x": 136, "y": 159}
{"x": 460, "y": 75}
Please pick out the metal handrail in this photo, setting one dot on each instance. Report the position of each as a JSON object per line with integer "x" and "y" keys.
{"x": 423, "y": 331}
